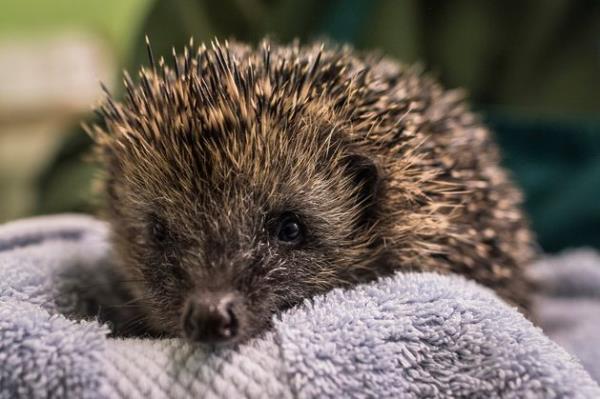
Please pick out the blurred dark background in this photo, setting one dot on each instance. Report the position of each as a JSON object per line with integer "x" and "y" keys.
{"x": 532, "y": 69}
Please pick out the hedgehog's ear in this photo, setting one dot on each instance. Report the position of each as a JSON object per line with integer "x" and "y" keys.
{"x": 367, "y": 178}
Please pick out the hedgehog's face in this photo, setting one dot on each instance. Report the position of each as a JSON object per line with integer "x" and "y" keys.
{"x": 235, "y": 189}
{"x": 220, "y": 243}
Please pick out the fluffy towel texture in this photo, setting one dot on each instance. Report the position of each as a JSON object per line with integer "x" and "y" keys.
{"x": 413, "y": 335}
{"x": 569, "y": 304}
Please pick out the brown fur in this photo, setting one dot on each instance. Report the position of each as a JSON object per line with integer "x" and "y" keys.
{"x": 386, "y": 170}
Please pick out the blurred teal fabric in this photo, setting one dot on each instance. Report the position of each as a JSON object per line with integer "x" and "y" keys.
{"x": 531, "y": 68}
{"x": 557, "y": 161}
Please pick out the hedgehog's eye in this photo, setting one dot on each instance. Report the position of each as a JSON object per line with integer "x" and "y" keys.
{"x": 159, "y": 231}
{"x": 290, "y": 230}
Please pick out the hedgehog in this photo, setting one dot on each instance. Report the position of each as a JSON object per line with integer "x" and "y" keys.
{"x": 240, "y": 181}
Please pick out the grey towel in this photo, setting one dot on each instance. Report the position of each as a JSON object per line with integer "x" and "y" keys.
{"x": 411, "y": 335}
{"x": 569, "y": 305}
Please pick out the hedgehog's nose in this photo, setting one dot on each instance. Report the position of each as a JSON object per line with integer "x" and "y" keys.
{"x": 210, "y": 318}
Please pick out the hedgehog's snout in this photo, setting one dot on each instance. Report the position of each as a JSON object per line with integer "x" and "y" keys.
{"x": 211, "y": 318}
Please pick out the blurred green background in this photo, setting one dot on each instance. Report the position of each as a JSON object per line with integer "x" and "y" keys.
{"x": 532, "y": 69}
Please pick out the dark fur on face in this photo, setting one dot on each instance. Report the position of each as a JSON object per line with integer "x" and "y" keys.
{"x": 240, "y": 182}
